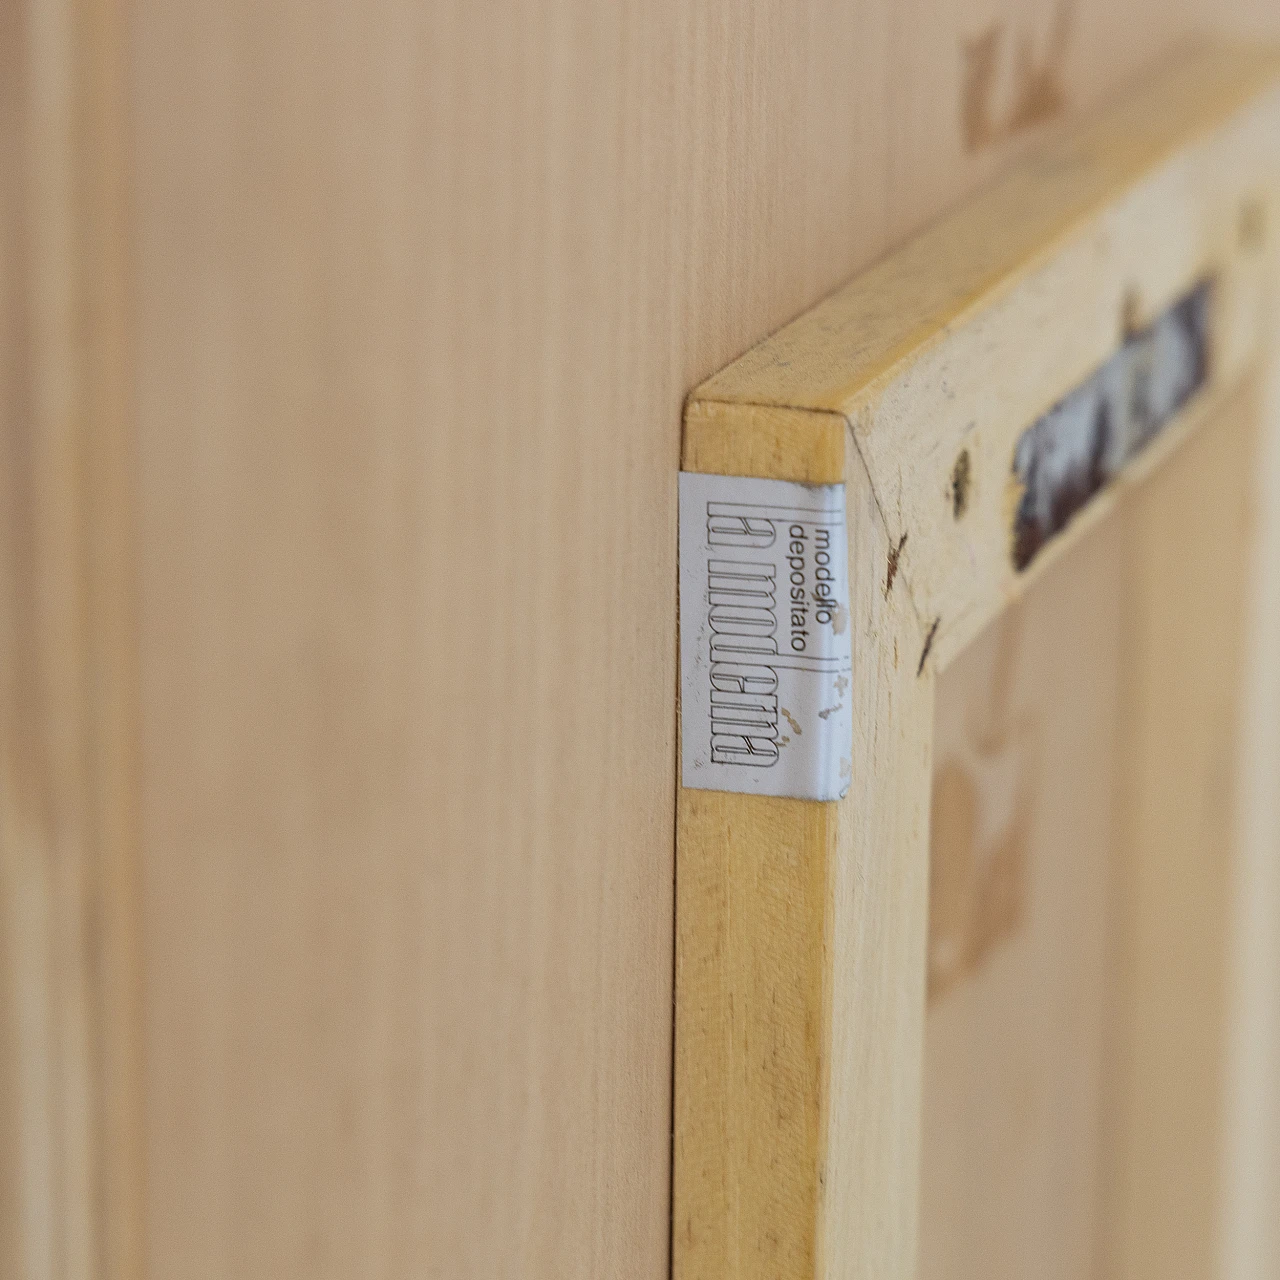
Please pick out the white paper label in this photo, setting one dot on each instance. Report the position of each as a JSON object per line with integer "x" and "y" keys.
{"x": 765, "y": 652}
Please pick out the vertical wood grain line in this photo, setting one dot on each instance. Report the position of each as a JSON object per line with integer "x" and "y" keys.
{"x": 110, "y": 563}
{"x": 45, "y": 868}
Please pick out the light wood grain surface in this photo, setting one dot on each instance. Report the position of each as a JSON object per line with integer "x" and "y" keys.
{"x": 413, "y": 297}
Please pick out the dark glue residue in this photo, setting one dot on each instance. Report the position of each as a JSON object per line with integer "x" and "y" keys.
{"x": 1084, "y": 441}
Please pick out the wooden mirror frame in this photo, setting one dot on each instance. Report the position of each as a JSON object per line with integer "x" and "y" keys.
{"x": 802, "y": 926}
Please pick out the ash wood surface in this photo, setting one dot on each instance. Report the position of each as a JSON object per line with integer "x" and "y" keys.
{"x": 395, "y": 319}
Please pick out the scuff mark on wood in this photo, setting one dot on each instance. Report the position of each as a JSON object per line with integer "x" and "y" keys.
{"x": 1085, "y": 440}
{"x": 1253, "y": 225}
{"x": 895, "y": 553}
{"x": 981, "y": 821}
{"x": 1038, "y": 91}
{"x": 977, "y": 890}
{"x": 981, "y": 58}
{"x": 928, "y": 644}
{"x": 961, "y": 480}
